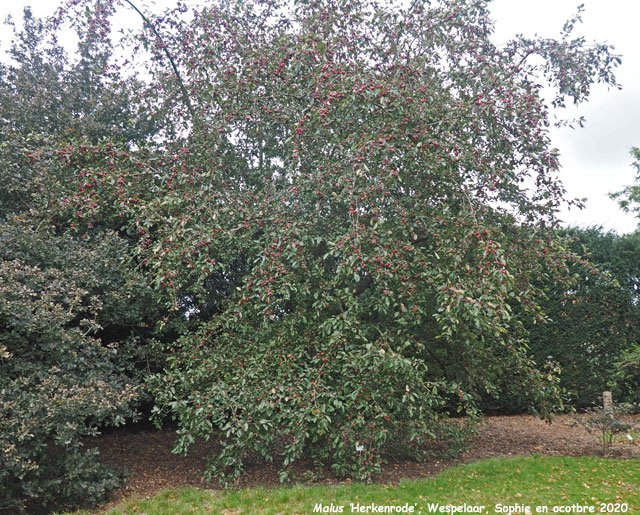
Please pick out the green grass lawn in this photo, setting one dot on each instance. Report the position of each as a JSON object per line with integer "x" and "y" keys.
{"x": 569, "y": 484}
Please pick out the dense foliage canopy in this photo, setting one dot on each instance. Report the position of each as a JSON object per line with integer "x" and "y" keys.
{"x": 591, "y": 322}
{"x": 358, "y": 197}
{"x": 345, "y": 206}
{"x": 75, "y": 314}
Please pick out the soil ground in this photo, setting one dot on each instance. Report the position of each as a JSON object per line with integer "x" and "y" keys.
{"x": 147, "y": 455}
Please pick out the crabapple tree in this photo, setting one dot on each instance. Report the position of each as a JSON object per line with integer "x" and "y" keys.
{"x": 349, "y": 207}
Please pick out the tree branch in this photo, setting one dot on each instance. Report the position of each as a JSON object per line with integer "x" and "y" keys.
{"x": 183, "y": 89}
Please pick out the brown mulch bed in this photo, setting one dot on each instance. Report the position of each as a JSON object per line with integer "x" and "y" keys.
{"x": 147, "y": 455}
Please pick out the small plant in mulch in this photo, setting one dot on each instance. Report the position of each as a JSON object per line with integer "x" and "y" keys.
{"x": 608, "y": 425}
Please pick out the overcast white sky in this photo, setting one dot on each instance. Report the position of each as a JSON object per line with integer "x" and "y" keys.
{"x": 595, "y": 160}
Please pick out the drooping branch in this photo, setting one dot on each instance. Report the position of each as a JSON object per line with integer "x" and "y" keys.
{"x": 183, "y": 89}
